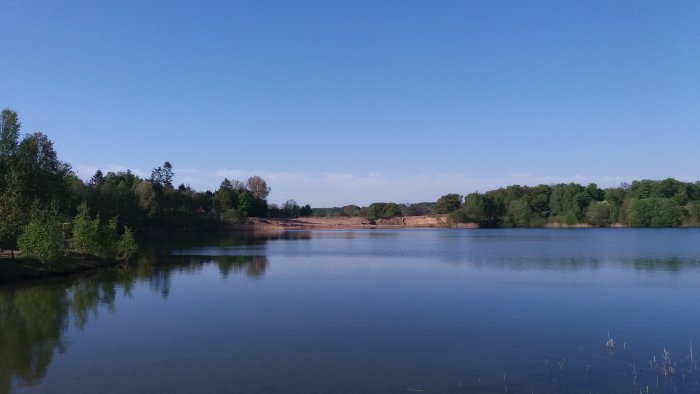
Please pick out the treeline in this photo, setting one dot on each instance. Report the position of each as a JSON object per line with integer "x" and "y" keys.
{"x": 34, "y": 183}
{"x": 644, "y": 203}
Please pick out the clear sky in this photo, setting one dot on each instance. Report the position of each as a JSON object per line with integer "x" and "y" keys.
{"x": 360, "y": 101}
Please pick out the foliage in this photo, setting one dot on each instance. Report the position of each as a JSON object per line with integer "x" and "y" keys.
{"x": 234, "y": 215}
{"x": 598, "y": 214}
{"x": 258, "y": 187}
{"x": 86, "y": 232}
{"x": 518, "y": 214}
{"x": 305, "y": 210}
{"x": 13, "y": 213}
{"x": 482, "y": 209}
{"x": 163, "y": 176}
{"x": 384, "y": 210}
{"x": 654, "y": 212}
{"x": 126, "y": 246}
{"x": 109, "y": 239}
{"x": 43, "y": 235}
{"x": 448, "y": 203}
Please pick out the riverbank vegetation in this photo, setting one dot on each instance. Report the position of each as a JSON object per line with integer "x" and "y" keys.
{"x": 644, "y": 203}
{"x": 49, "y": 212}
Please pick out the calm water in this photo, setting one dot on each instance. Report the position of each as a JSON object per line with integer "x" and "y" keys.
{"x": 441, "y": 311}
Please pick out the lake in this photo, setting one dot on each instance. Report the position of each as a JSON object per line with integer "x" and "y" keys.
{"x": 385, "y": 311}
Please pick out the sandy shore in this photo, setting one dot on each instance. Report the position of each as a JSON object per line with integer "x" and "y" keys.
{"x": 344, "y": 222}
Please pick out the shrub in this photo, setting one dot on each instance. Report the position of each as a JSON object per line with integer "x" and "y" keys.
{"x": 126, "y": 246}
{"x": 86, "y": 232}
{"x": 43, "y": 235}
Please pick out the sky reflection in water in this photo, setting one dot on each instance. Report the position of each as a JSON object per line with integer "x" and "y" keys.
{"x": 367, "y": 311}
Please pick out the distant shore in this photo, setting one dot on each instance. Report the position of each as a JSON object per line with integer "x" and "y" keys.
{"x": 351, "y": 222}
{"x": 360, "y": 222}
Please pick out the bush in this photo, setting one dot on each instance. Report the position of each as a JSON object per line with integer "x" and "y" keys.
{"x": 86, "y": 232}
{"x": 43, "y": 235}
{"x": 448, "y": 203}
{"x": 384, "y": 210}
{"x": 109, "y": 239}
{"x": 598, "y": 214}
{"x": 234, "y": 215}
{"x": 654, "y": 212}
{"x": 126, "y": 246}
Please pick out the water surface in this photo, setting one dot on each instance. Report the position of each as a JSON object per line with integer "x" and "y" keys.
{"x": 446, "y": 311}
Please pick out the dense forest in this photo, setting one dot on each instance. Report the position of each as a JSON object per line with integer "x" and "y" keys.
{"x": 644, "y": 203}
{"x": 39, "y": 189}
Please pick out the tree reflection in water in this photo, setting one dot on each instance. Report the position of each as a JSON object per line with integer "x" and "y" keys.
{"x": 33, "y": 318}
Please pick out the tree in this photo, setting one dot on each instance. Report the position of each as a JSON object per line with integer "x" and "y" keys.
{"x": 147, "y": 198}
{"x": 40, "y": 172}
{"x": 86, "y": 232}
{"x": 518, "y": 214}
{"x": 482, "y": 209}
{"x": 43, "y": 235}
{"x": 305, "y": 210}
{"x": 448, "y": 203}
{"x": 258, "y": 187}
{"x": 13, "y": 212}
{"x": 9, "y": 133}
{"x": 595, "y": 193}
{"x": 598, "y": 213}
{"x": 163, "y": 176}
{"x": 384, "y": 210}
{"x": 291, "y": 208}
{"x": 97, "y": 180}
{"x": 227, "y": 195}
{"x": 126, "y": 247}
{"x": 654, "y": 212}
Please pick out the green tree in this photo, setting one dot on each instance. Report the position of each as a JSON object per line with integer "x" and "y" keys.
{"x": 518, "y": 214}
{"x": 40, "y": 172}
{"x": 147, "y": 198}
{"x": 291, "y": 208}
{"x": 14, "y": 213}
{"x": 163, "y": 176}
{"x": 9, "y": 136}
{"x": 481, "y": 208}
{"x": 227, "y": 196}
{"x": 448, "y": 203}
{"x": 598, "y": 214}
{"x": 384, "y": 210}
{"x": 43, "y": 235}
{"x": 126, "y": 247}
{"x": 9, "y": 133}
{"x": 86, "y": 232}
{"x": 109, "y": 239}
{"x": 654, "y": 212}
{"x": 305, "y": 210}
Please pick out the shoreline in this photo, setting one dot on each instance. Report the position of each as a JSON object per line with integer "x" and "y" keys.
{"x": 350, "y": 222}
{"x": 24, "y": 269}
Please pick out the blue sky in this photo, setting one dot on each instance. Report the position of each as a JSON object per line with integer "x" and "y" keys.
{"x": 360, "y": 101}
